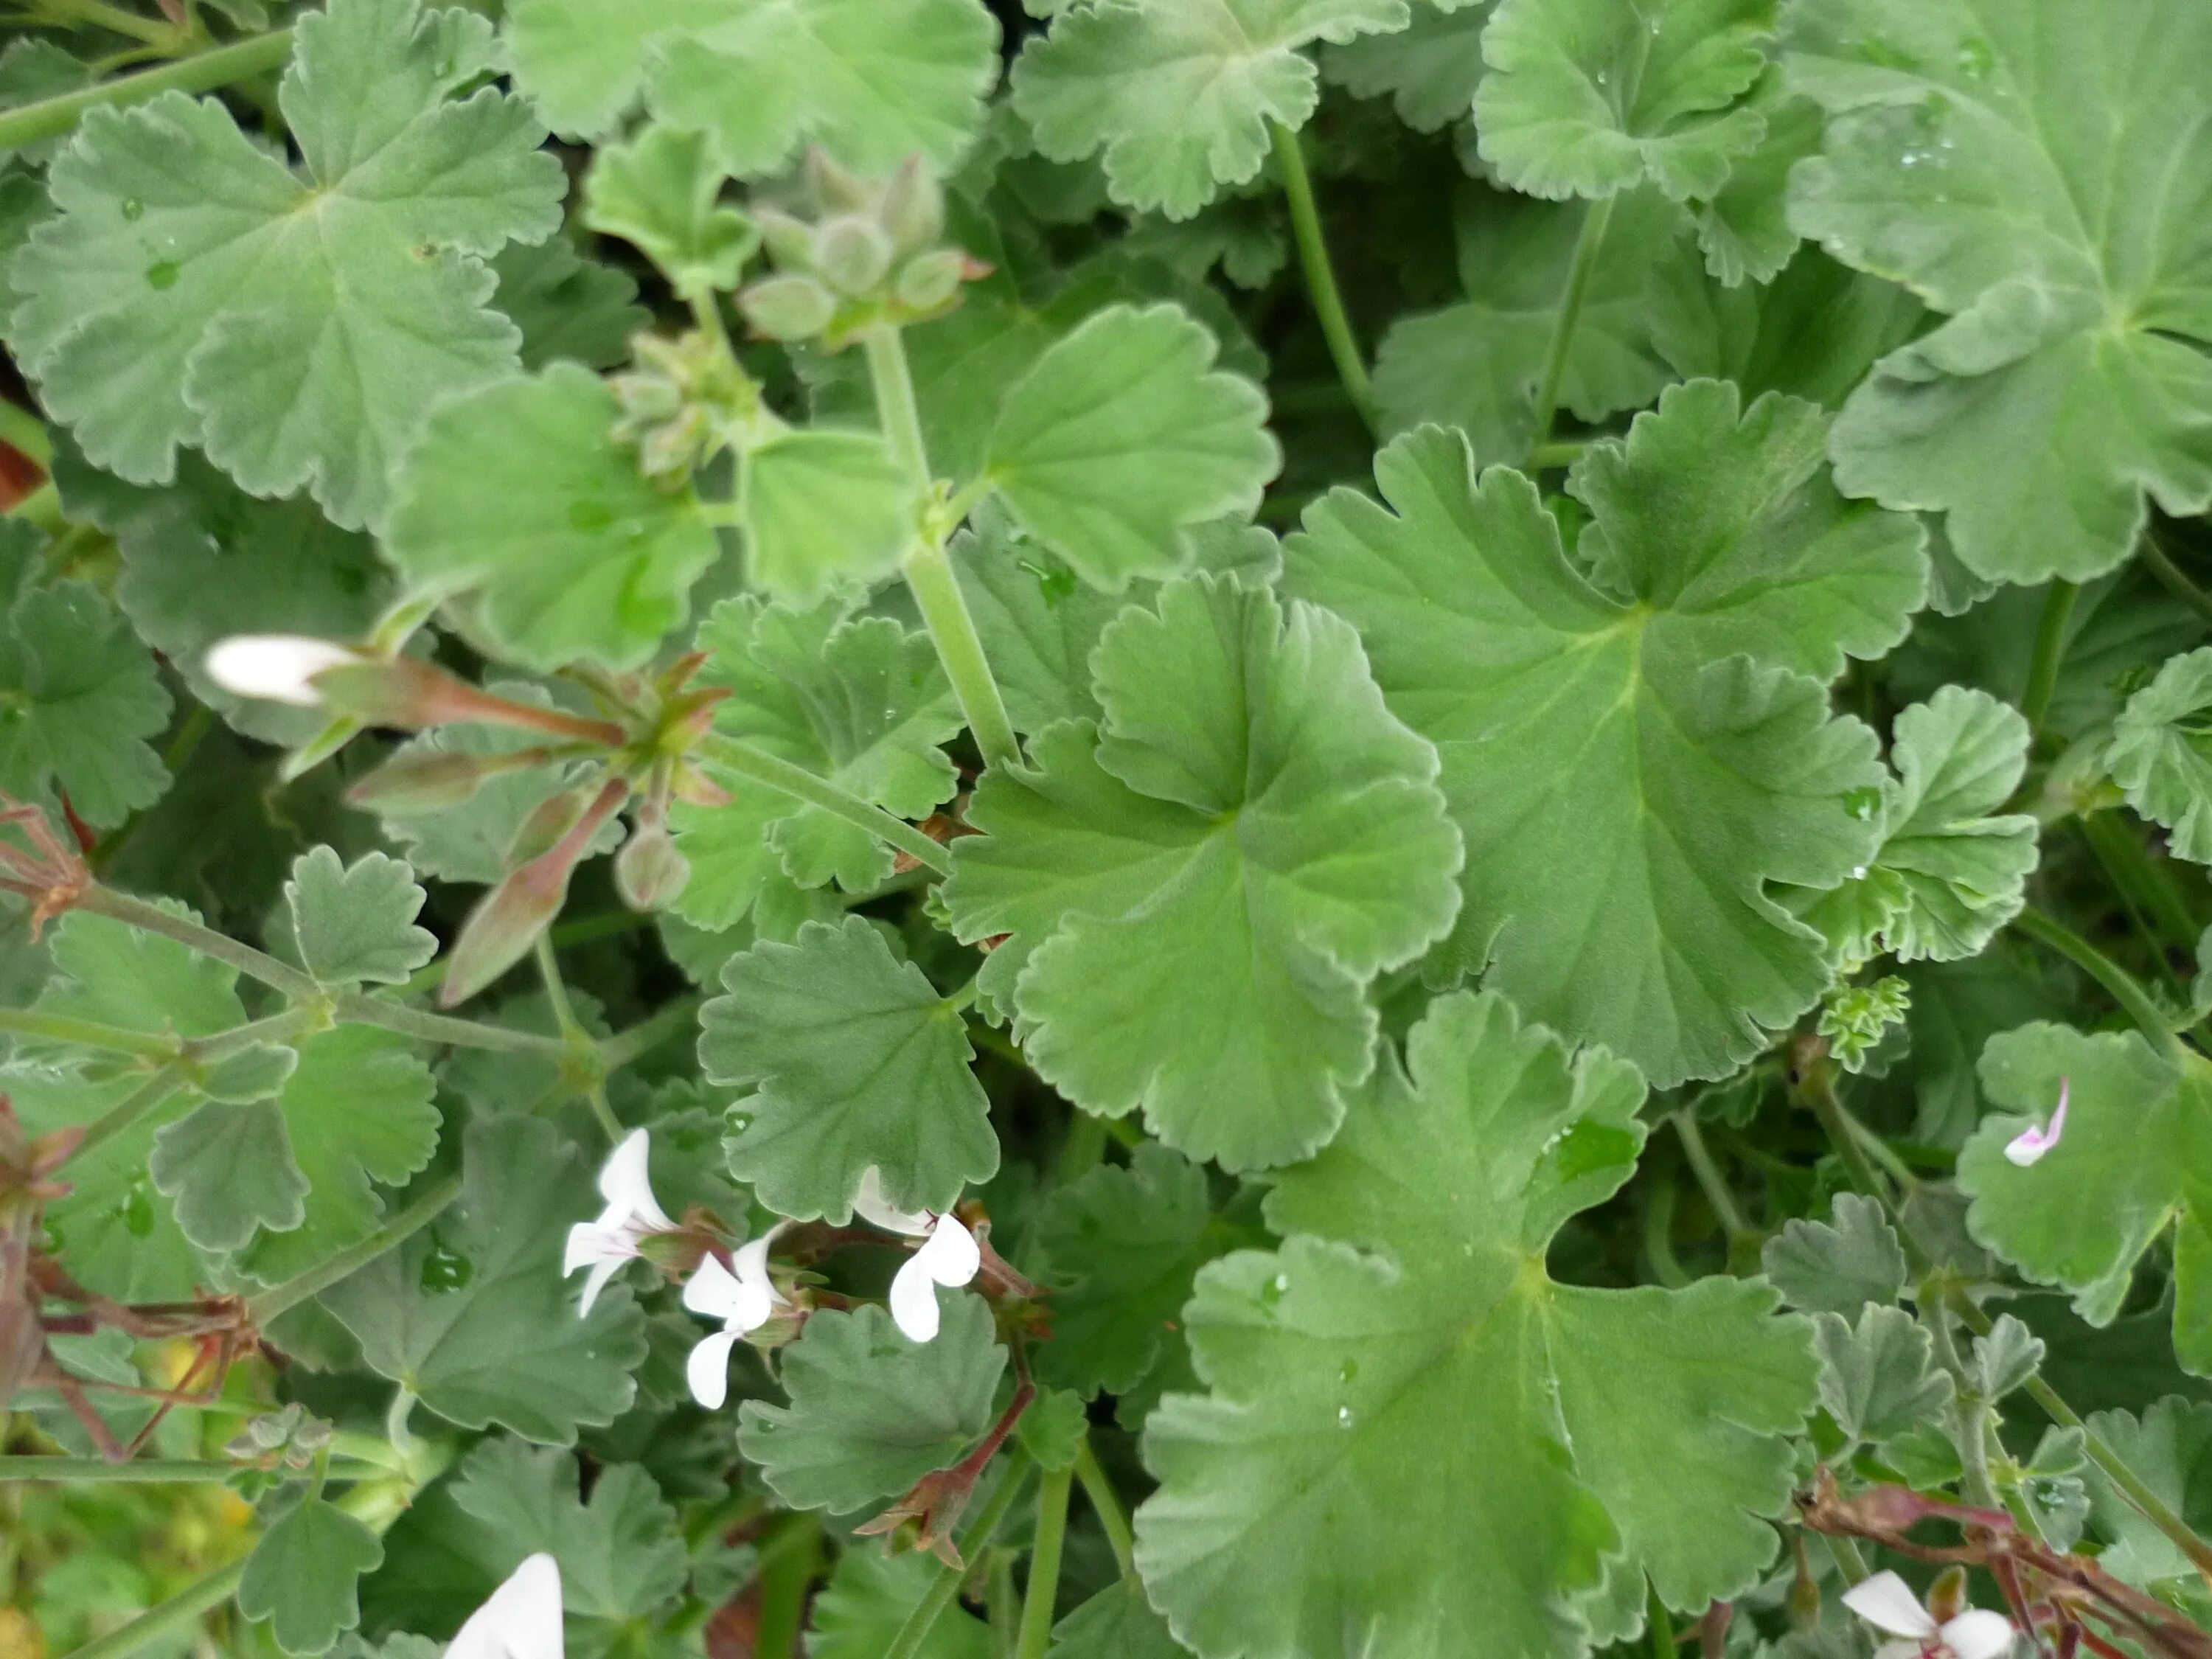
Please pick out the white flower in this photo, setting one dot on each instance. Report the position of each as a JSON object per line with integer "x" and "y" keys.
{"x": 1886, "y": 1602}
{"x": 280, "y": 667}
{"x": 632, "y": 1211}
{"x": 743, "y": 1301}
{"x": 2032, "y": 1142}
{"x": 949, "y": 1256}
{"x": 522, "y": 1619}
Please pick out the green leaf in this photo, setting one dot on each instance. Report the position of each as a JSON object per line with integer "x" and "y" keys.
{"x": 1224, "y": 865}
{"x": 1179, "y": 93}
{"x": 113, "y": 974}
{"x": 1052, "y": 1429}
{"x": 1117, "y": 1623}
{"x": 2169, "y": 1448}
{"x": 1039, "y": 623}
{"x": 356, "y": 923}
{"x": 2033, "y": 173}
{"x": 872, "y": 1413}
{"x": 855, "y": 1062}
{"x": 1840, "y": 1265}
{"x": 822, "y": 510}
{"x": 519, "y": 494}
{"x": 869, "y": 81}
{"x": 2135, "y": 1157}
{"x": 2006, "y": 1359}
{"x": 1591, "y": 97}
{"x": 1119, "y": 1247}
{"x": 303, "y": 1577}
{"x": 1607, "y": 711}
{"x": 659, "y": 193}
{"x": 621, "y": 1554}
{"x": 1879, "y": 1377}
{"x": 1951, "y": 868}
{"x": 860, "y": 703}
{"x": 1562, "y": 1433}
{"x": 1743, "y": 225}
{"x": 570, "y": 309}
{"x": 230, "y": 1172}
{"x": 1477, "y": 364}
{"x": 490, "y": 1334}
{"x": 79, "y": 697}
{"x": 1430, "y": 69}
{"x": 31, "y": 70}
{"x": 2161, "y": 753}
{"x": 858, "y": 1613}
{"x": 195, "y": 291}
{"x": 1122, "y": 436}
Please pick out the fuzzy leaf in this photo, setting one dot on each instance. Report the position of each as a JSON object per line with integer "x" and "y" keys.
{"x": 659, "y": 192}
{"x": 79, "y": 699}
{"x": 1122, "y": 436}
{"x": 1224, "y": 865}
{"x": 1607, "y": 711}
{"x": 1179, "y": 93}
{"x": 520, "y": 495}
{"x": 870, "y": 81}
{"x": 1117, "y": 1623}
{"x": 2161, "y": 753}
{"x": 622, "y": 1556}
{"x": 2135, "y": 1157}
{"x": 2169, "y": 1448}
{"x": 860, "y": 1611}
{"x": 195, "y": 291}
{"x": 356, "y": 923}
{"x": 570, "y": 309}
{"x": 229, "y": 1171}
{"x": 822, "y": 510}
{"x": 302, "y": 1577}
{"x": 1430, "y": 68}
{"x": 855, "y": 1062}
{"x": 872, "y": 1413}
{"x": 2036, "y": 174}
{"x": 1840, "y": 1265}
{"x": 1561, "y": 1433}
{"x": 1879, "y": 1377}
{"x": 503, "y": 1345}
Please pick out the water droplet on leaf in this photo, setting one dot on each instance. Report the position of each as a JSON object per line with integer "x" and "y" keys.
{"x": 137, "y": 1210}
{"x": 1343, "y": 1417}
{"x": 133, "y": 208}
{"x": 445, "y": 1270}
{"x": 1975, "y": 59}
{"x": 1860, "y": 803}
{"x": 1347, "y": 1371}
{"x": 163, "y": 274}
{"x": 590, "y": 515}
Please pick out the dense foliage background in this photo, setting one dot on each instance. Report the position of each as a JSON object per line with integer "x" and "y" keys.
{"x": 1343, "y": 827}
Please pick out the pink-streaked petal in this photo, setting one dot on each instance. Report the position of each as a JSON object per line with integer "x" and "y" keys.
{"x": 708, "y": 1369}
{"x": 1886, "y": 1602}
{"x": 520, "y": 1620}
{"x": 952, "y": 1256}
{"x": 626, "y": 1183}
{"x": 593, "y": 1241}
{"x": 875, "y": 1209}
{"x": 1978, "y": 1633}
{"x": 595, "y": 1281}
{"x": 713, "y": 1290}
{"x": 914, "y": 1300}
{"x": 2030, "y": 1144}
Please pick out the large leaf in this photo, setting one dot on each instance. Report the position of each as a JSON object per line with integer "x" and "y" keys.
{"x": 2136, "y": 1158}
{"x": 622, "y": 1556}
{"x": 2036, "y": 172}
{"x": 1222, "y": 866}
{"x": 1412, "y": 1432}
{"x": 194, "y": 291}
{"x": 1634, "y": 753}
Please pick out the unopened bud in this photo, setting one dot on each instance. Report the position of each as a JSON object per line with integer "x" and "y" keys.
{"x": 276, "y": 667}
{"x": 649, "y": 871}
{"x": 501, "y": 930}
{"x": 788, "y": 307}
{"x": 931, "y": 280}
{"x": 397, "y": 691}
{"x": 1946, "y": 1596}
{"x": 789, "y": 240}
{"x": 833, "y": 187}
{"x": 854, "y": 253}
{"x": 911, "y": 210}
{"x": 550, "y": 820}
{"x": 426, "y": 782}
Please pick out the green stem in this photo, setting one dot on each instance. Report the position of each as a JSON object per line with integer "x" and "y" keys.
{"x": 2134, "y": 871}
{"x": 166, "y": 38}
{"x": 929, "y": 572}
{"x": 649, "y": 1033}
{"x": 1560, "y": 453}
{"x": 2049, "y": 652}
{"x": 50, "y": 118}
{"x": 282, "y": 1298}
{"x": 2161, "y": 564}
{"x": 170, "y": 1618}
{"x": 1044, "y": 1563}
{"x": 1849, "y": 1560}
{"x": 787, "y": 1569}
{"x": 24, "y": 432}
{"x": 41, "y": 507}
{"x": 1817, "y": 1088}
{"x": 1321, "y": 273}
{"x": 761, "y": 766}
{"x": 87, "y": 1034}
{"x": 126, "y": 1112}
{"x": 973, "y": 1542}
{"x": 359, "y": 1008}
{"x": 1106, "y": 1505}
{"x": 578, "y": 1039}
{"x": 1709, "y": 1181}
{"x": 152, "y": 918}
{"x": 154, "y": 1471}
{"x": 1588, "y": 242}
{"x": 2121, "y": 984}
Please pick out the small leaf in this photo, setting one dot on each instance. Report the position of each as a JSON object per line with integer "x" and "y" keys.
{"x": 1879, "y": 1377}
{"x": 1430, "y": 68}
{"x": 79, "y": 699}
{"x": 1840, "y": 1265}
{"x": 822, "y": 510}
{"x": 303, "y": 1576}
{"x": 1117, "y": 1623}
{"x": 856, "y": 1063}
{"x": 659, "y": 193}
{"x": 2169, "y": 1448}
{"x": 2007, "y": 1358}
{"x": 231, "y": 1172}
{"x": 2161, "y": 753}
{"x": 358, "y": 923}
{"x": 570, "y": 309}
{"x": 872, "y": 1413}
{"x": 1122, "y": 436}
{"x": 1052, "y": 1429}
{"x": 858, "y": 1613}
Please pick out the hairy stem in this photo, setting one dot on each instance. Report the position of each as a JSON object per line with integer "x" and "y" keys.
{"x": 1044, "y": 1563}
{"x": 1106, "y": 1505}
{"x": 577, "y": 1038}
{"x": 1320, "y": 274}
{"x": 2141, "y": 877}
{"x": 1710, "y": 1180}
{"x": 760, "y": 766}
{"x": 37, "y": 1023}
{"x": 2161, "y": 564}
{"x": 939, "y": 1596}
{"x": 155, "y": 1471}
{"x": 282, "y": 1298}
{"x": 2122, "y": 986}
{"x": 152, "y": 918}
{"x": 1587, "y": 243}
{"x": 203, "y": 72}
{"x": 2049, "y": 652}
{"x": 126, "y": 1112}
{"x": 788, "y": 1564}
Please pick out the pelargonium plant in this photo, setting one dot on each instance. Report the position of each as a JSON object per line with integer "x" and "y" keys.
{"x": 1272, "y": 829}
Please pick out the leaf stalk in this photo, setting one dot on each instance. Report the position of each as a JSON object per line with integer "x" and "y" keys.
{"x": 1320, "y": 274}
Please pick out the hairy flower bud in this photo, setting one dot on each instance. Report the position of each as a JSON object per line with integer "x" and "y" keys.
{"x": 427, "y": 782}
{"x": 855, "y": 255}
{"x": 650, "y": 873}
{"x": 930, "y": 280}
{"x": 276, "y": 667}
{"x": 790, "y": 307}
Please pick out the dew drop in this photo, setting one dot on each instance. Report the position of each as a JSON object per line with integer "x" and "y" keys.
{"x": 590, "y": 515}
{"x": 163, "y": 274}
{"x": 133, "y": 208}
{"x": 1343, "y": 1417}
{"x": 137, "y": 1210}
{"x": 1271, "y": 1291}
{"x": 1862, "y": 803}
{"x": 1601, "y": 78}
{"x": 1347, "y": 1371}
{"x": 445, "y": 1270}
{"x": 1975, "y": 59}
{"x": 1858, "y": 872}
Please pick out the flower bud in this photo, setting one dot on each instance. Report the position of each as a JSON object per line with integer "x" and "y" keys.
{"x": 855, "y": 255}
{"x": 550, "y": 820}
{"x": 276, "y": 667}
{"x": 649, "y": 871}
{"x": 929, "y": 281}
{"x": 788, "y": 307}
{"x": 501, "y": 930}
{"x": 911, "y": 210}
{"x": 789, "y": 240}
{"x": 836, "y": 187}
{"x": 425, "y": 782}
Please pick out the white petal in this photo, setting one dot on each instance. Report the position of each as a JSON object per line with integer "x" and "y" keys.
{"x": 595, "y": 1281}
{"x": 873, "y": 1208}
{"x": 1978, "y": 1633}
{"x": 713, "y": 1291}
{"x": 707, "y": 1370}
{"x": 914, "y": 1300}
{"x": 626, "y": 1183}
{"x": 276, "y": 666}
{"x": 752, "y": 1263}
{"x": 952, "y": 1256}
{"x": 590, "y": 1241}
{"x": 521, "y": 1620}
{"x": 1886, "y": 1602}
